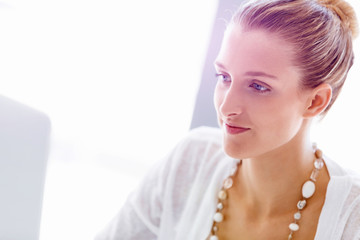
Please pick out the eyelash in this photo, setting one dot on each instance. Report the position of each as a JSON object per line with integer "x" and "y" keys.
{"x": 256, "y": 86}
{"x": 218, "y": 75}
{"x": 259, "y": 88}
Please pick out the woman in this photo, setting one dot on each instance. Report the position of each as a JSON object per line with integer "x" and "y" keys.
{"x": 282, "y": 64}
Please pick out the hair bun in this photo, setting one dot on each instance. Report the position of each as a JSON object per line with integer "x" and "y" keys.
{"x": 345, "y": 12}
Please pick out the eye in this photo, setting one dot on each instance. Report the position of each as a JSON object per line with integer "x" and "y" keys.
{"x": 223, "y": 77}
{"x": 259, "y": 88}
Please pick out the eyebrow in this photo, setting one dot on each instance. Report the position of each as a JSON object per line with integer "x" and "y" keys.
{"x": 251, "y": 73}
{"x": 259, "y": 74}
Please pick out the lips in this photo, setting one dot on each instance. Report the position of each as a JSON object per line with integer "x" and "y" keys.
{"x": 231, "y": 129}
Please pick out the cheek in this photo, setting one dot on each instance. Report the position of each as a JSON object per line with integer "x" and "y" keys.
{"x": 218, "y": 97}
{"x": 281, "y": 116}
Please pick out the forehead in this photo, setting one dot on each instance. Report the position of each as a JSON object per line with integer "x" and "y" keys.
{"x": 255, "y": 50}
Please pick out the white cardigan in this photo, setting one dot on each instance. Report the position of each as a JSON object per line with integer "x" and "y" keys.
{"x": 177, "y": 198}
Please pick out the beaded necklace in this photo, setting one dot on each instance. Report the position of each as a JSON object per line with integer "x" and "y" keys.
{"x": 308, "y": 190}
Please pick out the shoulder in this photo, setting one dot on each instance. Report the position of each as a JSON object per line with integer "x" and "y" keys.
{"x": 165, "y": 190}
{"x": 346, "y": 195}
{"x": 352, "y": 206}
{"x": 354, "y": 195}
{"x": 355, "y": 187}
{"x": 198, "y": 148}
{"x": 348, "y": 176}
{"x": 198, "y": 158}
{"x": 200, "y": 144}
{"x": 191, "y": 166}
{"x": 348, "y": 179}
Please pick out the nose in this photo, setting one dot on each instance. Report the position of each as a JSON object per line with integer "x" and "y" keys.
{"x": 231, "y": 104}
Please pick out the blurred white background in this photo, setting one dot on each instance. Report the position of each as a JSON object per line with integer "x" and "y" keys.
{"x": 118, "y": 80}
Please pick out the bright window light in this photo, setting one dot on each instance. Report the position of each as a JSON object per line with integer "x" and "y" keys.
{"x": 118, "y": 80}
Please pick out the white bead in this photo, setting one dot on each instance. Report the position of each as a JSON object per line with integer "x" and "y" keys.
{"x": 222, "y": 195}
{"x": 297, "y": 216}
{"x": 213, "y": 237}
{"x": 294, "y": 227}
{"x": 220, "y": 206}
{"x": 218, "y": 217}
{"x": 314, "y": 175}
{"x": 319, "y": 163}
{"x": 228, "y": 183}
{"x": 301, "y": 204}
{"x": 308, "y": 189}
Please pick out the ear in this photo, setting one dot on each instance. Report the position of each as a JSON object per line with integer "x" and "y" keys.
{"x": 318, "y": 100}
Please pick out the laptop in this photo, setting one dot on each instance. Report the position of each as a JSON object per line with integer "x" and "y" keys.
{"x": 24, "y": 147}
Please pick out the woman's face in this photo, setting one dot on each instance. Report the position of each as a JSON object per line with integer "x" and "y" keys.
{"x": 258, "y": 98}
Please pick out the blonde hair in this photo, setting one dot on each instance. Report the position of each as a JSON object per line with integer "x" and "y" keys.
{"x": 321, "y": 32}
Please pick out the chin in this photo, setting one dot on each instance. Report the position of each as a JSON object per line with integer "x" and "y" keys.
{"x": 233, "y": 150}
{"x": 232, "y": 154}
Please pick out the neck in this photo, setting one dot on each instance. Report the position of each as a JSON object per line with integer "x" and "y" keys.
{"x": 271, "y": 184}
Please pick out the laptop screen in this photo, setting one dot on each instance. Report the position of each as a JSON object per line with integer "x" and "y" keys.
{"x": 24, "y": 144}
